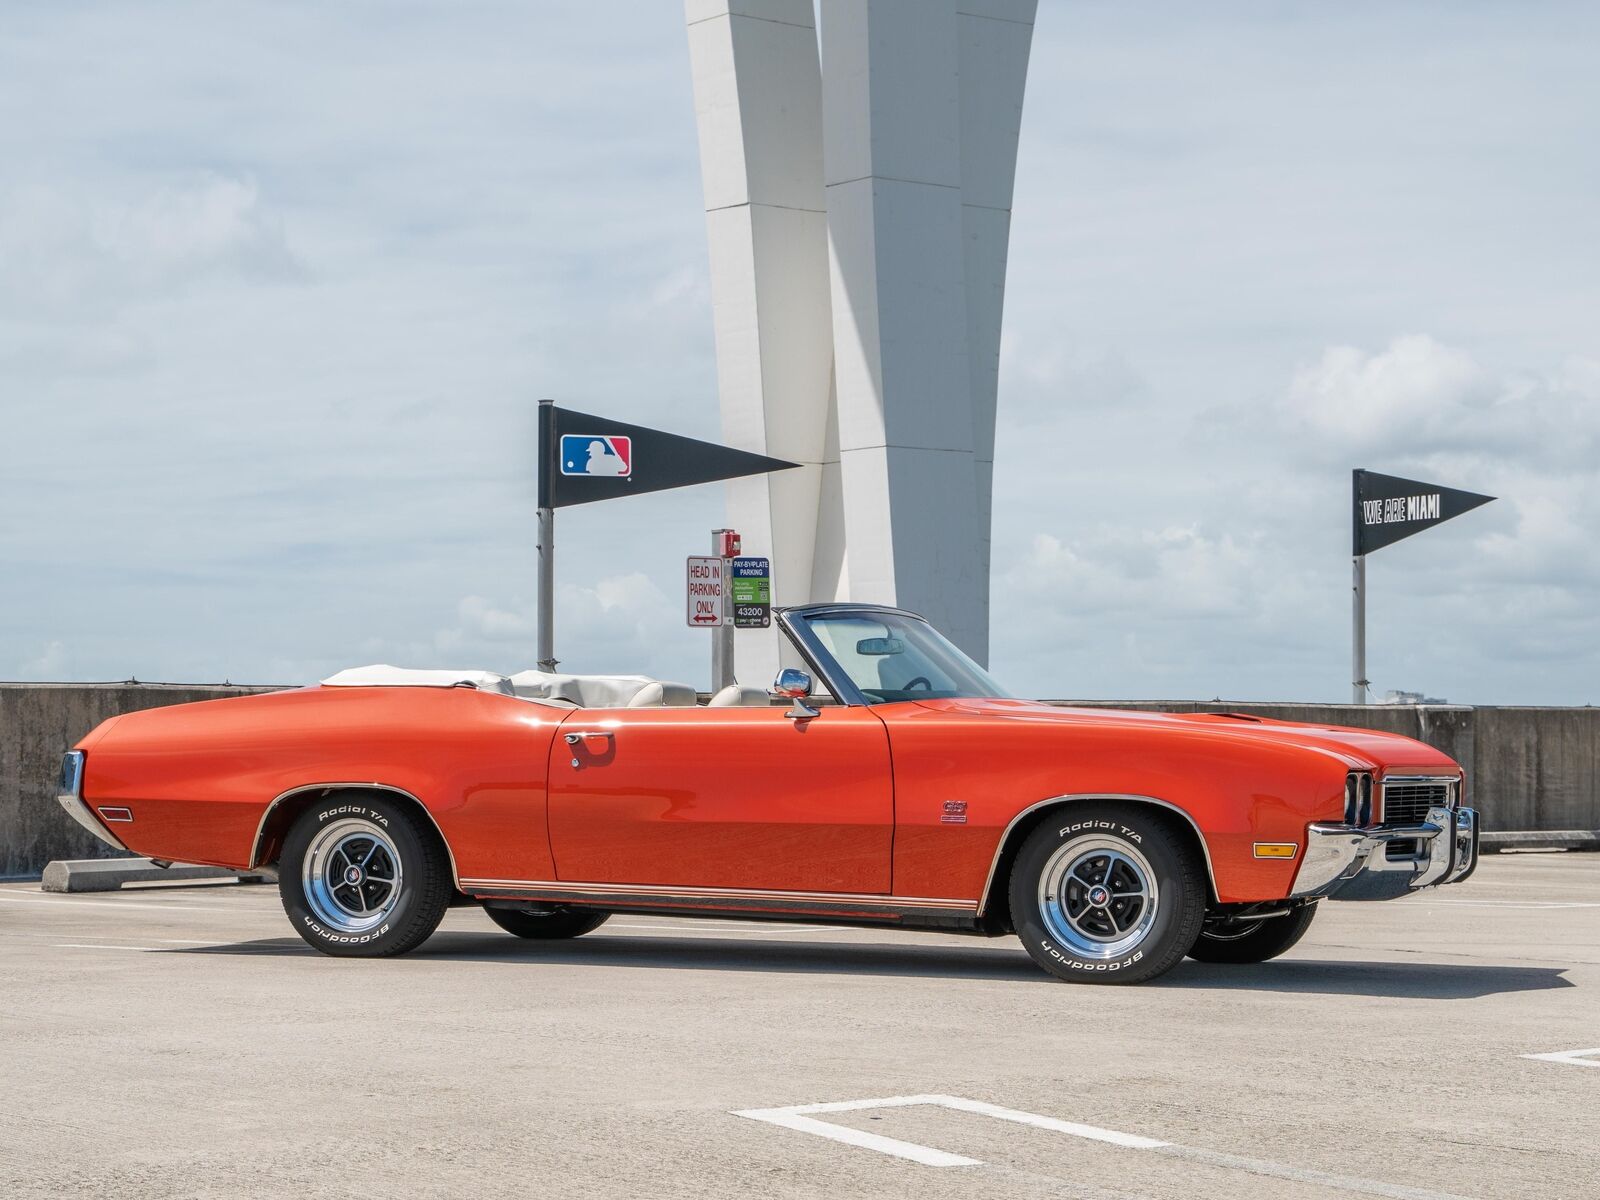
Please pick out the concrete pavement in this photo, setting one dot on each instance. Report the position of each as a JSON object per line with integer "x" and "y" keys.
{"x": 167, "y": 1042}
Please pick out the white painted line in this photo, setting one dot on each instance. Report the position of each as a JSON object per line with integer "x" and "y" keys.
{"x": 802, "y": 1118}
{"x": 1529, "y": 904}
{"x": 74, "y": 902}
{"x": 84, "y": 946}
{"x": 795, "y": 1118}
{"x": 1576, "y": 1058}
{"x": 1131, "y": 1140}
{"x": 798, "y": 1117}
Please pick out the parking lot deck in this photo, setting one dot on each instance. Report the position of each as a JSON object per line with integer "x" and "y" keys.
{"x": 182, "y": 1041}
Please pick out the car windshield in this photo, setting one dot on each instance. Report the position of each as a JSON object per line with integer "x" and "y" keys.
{"x": 891, "y": 657}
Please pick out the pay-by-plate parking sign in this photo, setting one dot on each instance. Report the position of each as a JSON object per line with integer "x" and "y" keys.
{"x": 706, "y": 592}
{"x": 751, "y": 587}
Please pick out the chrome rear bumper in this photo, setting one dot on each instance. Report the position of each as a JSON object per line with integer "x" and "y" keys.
{"x": 69, "y": 794}
{"x": 1347, "y": 862}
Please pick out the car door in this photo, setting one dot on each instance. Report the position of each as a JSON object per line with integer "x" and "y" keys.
{"x": 741, "y": 798}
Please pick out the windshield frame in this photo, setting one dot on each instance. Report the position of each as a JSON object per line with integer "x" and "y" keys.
{"x": 796, "y": 625}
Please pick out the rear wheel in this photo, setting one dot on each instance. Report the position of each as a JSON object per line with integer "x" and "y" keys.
{"x": 360, "y": 876}
{"x": 1253, "y": 941}
{"x": 1107, "y": 893}
{"x": 546, "y": 923}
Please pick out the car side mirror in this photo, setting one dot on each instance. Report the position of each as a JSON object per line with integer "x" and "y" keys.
{"x": 794, "y": 684}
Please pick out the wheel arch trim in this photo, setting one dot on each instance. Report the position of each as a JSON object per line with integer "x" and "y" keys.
{"x": 986, "y": 896}
{"x": 364, "y": 786}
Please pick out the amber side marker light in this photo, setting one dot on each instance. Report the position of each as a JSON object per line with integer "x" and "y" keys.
{"x": 1276, "y": 849}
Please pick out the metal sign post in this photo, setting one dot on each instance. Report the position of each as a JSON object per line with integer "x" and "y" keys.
{"x": 1358, "y": 673}
{"x": 1386, "y": 509}
{"x": 547, "y": 538}
{"x": 724, "y": 544}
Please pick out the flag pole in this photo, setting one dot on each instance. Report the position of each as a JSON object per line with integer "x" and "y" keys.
{"x": 1358, "y": 623}
{"x": 547, "y": 536}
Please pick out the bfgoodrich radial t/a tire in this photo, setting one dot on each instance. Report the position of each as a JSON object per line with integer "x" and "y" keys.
{"x": 546, "y": 923}
{"x": 361, "y": 876}
{"x": 1253, "y": 941}
{"x": 1107, "y": 893}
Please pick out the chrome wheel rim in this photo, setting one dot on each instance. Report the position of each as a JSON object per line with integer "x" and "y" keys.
{"x": 1098, "y": 897}
{"x": 351, "y": 875}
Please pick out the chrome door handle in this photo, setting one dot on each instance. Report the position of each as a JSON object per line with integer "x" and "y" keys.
{"x": 584, "y": 735}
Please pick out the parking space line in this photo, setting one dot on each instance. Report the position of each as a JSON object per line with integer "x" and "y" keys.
{"x": 102, "y": 946}
{"x": 1530, "y": 904}
{"x": 184, "y": 905}
{"x": 803, "y": 1119}
{"x": 1574, "y": 1058}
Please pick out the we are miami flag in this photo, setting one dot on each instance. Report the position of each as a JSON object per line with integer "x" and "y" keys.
{"x": 1389, "y": 508}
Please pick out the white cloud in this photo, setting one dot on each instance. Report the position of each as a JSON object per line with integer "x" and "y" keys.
{"x": 1429, "y": 398}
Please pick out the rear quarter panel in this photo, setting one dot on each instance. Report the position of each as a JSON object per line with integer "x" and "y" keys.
{"x": 199, "y": 778}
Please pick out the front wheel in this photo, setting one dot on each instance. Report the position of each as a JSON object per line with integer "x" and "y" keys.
{"x": 546, "y": 923}
{"x": 360, "y": 876}
{"x": 1253, "y": 941}
{"x": 1107, "y": 893}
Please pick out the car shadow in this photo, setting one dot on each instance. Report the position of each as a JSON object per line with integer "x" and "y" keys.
{"x": 1343, "y": 977}
{"x": 983, "y": 961}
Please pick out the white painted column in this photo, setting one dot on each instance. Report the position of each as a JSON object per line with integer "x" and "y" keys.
{"x": 994, "y": 40}
{"x": 892, "y": 163}
{"x": 858, "y": 224}
{"x": 758, "y": 104}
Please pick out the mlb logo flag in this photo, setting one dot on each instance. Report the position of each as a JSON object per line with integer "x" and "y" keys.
{"x": 596, "y": 454}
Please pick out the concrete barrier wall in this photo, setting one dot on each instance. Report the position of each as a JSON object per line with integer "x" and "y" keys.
{"x": 39, "y": 722}
{"x": 1528, "y": 768}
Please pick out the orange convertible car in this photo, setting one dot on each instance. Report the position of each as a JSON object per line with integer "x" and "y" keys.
{"x": 1112, "y": 843}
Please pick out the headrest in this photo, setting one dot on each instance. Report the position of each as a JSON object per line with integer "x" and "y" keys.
{"x": 739, "y": 696}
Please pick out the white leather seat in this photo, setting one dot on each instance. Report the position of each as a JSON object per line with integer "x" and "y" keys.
{"x": 739, "y": 696}
{"x": 601, "y": 691}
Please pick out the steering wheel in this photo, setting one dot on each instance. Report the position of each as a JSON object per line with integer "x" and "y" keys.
{"x": 922, "y": 679}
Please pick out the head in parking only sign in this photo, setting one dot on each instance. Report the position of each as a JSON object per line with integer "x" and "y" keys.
{"x": 705, "y": 591}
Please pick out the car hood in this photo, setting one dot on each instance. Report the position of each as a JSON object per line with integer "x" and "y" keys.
{"x": 1368, "y": 749}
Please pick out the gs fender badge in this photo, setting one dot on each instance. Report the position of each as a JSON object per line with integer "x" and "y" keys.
{"x": 955, "y": 813}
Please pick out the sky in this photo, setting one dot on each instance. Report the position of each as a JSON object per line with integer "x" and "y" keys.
{"x": 281, "y": 285}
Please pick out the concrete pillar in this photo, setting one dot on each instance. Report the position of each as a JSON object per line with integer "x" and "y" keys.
{"x": 995, "y": 37}
{"x": 892, "y": 165}
{"x": 859, "y": 215}
{"x": 758, "y": 105}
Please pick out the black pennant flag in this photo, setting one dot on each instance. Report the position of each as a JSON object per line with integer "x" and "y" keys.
{"x": 1388, "y": 508}
{"x": 584, "y": 458}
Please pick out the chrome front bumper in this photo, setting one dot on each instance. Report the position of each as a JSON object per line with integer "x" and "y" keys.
{"x": 1347, "y": 862}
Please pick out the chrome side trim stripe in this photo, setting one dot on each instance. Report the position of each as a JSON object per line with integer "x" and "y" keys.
{"x": 650, "y": 891}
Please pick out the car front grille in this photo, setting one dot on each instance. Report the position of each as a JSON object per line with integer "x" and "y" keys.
{"x": 1406, "y": 802}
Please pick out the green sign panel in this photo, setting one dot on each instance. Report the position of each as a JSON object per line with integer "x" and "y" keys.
{"x": 752, "y": 593}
